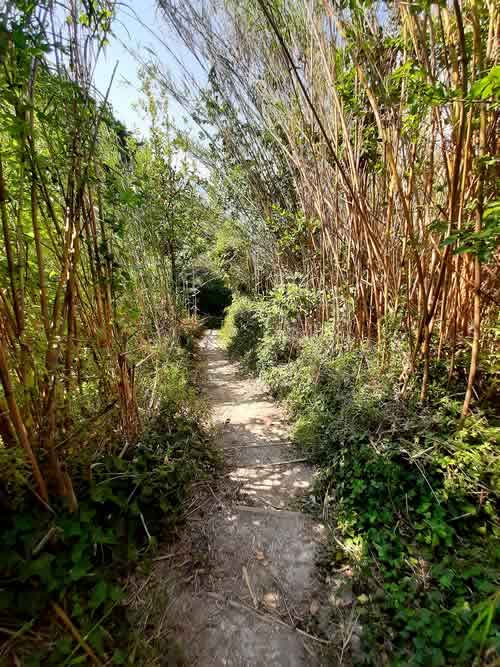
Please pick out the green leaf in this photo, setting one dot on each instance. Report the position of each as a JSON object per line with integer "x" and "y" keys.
{"x": 64, "y": 646}
{"x": 116, "y": 593}
{"x": 80, "y": 570}
{"x": 41, "y": 568}
{"x": 119, "y": 657}
{"x": 96, "y": 640}
{"x": 99, "y": 594}
{"x": 486, "y": 87}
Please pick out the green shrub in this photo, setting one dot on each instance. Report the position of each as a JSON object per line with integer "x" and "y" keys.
{"x": 15, "y": 476}
{"x": 429, "y": 544}
{"x": 412, "y": 496}
{"x": 126, "y": 505}
{"x": 274, "y": 349}
{"x": 242, "y": 331}
{"x": 263, "y": 332}
{"x": 413, "y": 499}
{"x": 174, "y": 390}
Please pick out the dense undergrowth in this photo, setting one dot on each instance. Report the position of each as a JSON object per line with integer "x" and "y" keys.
{"x": 72, "y": 567}
{"x": 101, "y": 427}
{"x": 351, "y": 149}
{"x": 409, "y": 494}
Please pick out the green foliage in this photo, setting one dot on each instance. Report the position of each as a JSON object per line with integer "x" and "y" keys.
{"x": 483, "y": 243}
{"x": 422, "y": 532}
{"x": 127, "y": 504}
{"x": 14, "y": 474}
{"x": 242, "y": 331}
{"x": 487, "y": 86}
{"x": 289, "y": 302}
{"x": 274, "y": 349}
{"x": 412, "y": 496}
{"x": 231, "y": 257}
{"x": 263, "y": 332}
{"x": 415, "y": 494}
{"x": 292, "y": 230}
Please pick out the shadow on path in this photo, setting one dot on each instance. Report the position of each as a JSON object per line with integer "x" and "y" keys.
{"x": 249, "y": 577}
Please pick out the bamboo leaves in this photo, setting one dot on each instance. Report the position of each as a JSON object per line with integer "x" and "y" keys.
{"x": 385, "y": 122}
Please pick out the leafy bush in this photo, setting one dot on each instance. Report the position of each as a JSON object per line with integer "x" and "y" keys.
{"x": 416, "y": 495}
{"x": 428, "y": 553}
{"x": 411, "y": 496}
{"x": 242, "y": 331}
{"x": 15, "y": 475}
{"x": 127, "y": 503}
{"x": 264, "y": 332}
{"x": 273, "y": 350}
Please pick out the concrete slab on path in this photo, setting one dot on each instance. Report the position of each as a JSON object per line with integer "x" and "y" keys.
{"x": 272, "y": 485}
{"x": 277, "y": 550}
{"x": 223, "y": 635}
{"x": 257, "y": 581}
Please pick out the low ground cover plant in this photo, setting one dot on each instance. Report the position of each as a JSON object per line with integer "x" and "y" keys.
{"x": 71, "y": 567}
{"x": 409, "y": 490}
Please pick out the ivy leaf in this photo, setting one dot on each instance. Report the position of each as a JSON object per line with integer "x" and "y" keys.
{"x": 99, "y": 594}
{"x": 41, "y": 568}
{"x": 80, "y": 570}
{"x": 119, "y": 657}
{"x": 24, "y": 522}
{"x": 63, "y": 646}
{"x": 96, "y": 640}
{"x": 116, "y": 593}
{"x": 87, "y": 515}
{"x": 128, "y": 197}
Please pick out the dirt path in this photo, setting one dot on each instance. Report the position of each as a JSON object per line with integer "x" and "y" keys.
{"x": 250, "y": 580}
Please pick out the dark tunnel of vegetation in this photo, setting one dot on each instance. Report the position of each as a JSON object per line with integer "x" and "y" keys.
{"x": 209, "y": 297}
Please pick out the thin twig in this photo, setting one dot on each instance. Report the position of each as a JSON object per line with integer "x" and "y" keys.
{"x": 249, "y": 586}
{"x": 269, "y": 618}
{"x": 75, "y": 633}
{"x": 52, "y": 530}
{"x": 145, "y": 527}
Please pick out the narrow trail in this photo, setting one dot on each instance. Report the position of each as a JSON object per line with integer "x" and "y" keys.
{"x": 256, "y": 582}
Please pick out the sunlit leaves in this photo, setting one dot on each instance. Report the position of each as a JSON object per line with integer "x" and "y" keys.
{"x": 483, "y": 243}
{"x": 487, "y": 87}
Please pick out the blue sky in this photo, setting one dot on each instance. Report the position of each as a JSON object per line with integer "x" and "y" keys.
{"x": 130, "y": 35}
